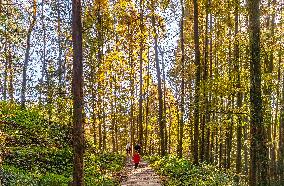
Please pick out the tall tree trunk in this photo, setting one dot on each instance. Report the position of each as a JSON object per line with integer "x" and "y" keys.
{"x": 27, "y": 56}
{"x": 77, "y": 91}
{"x": 245, "y": 129}
{"x": 206, "y": 94}
{"x": 5, "y": 74}
{"x": 272, "y": 124}
{"x": 259, "y": 161}
{"x": 164, "y": 98}
{"x": 197, "y": 83}
{"x": 100, "y": 42}
{"x": 210, "y": 144}
{"x": 147, "y": 102}
{"x": 11, "y": 74}
{"x": 60, "y": 71}
{"x": 181, "y": 123}
{"x": 140, "y": 121}
{"x": 43, "y": 57}
{"x": 104, "y": 127}
{"x": 281, "y": 133}
{"x": 239, "y": 94}
{"x": 131, "y": 99}
{"x": 112, "y": 118}
{"x": 161, "y": 118}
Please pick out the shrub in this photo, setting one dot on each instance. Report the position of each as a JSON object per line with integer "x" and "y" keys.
{"x": 183, "y": 172}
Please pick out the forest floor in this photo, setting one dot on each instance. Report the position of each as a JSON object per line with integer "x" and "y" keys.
{"x": 144, "y": 175}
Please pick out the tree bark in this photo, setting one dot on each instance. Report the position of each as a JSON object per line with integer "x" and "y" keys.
{"x": 239, "y": 94}
{"x": 141, "y": 78}
{"x": 77, "y": 92}
{"x": 197, "y": 83}
{"x": 281, "y": 134}
{"x": 181, "y": 123}
{"x": 259, "y": 161}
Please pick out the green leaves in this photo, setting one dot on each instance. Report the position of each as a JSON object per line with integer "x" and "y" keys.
{"x": 183, "y": 172}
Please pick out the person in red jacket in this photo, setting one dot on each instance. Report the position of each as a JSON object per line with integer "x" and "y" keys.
{"x": 136, "y": 159}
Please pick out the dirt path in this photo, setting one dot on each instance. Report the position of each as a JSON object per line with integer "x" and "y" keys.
{"x": 144, "y": 175}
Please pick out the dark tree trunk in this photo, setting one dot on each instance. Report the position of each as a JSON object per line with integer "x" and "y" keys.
{"x": 197, "y": 83}
{"x": 164, "y": 98}
{"x": 239, "y": 94}
{"x": 77, "y": 91}
{"x": 258, "y": 151}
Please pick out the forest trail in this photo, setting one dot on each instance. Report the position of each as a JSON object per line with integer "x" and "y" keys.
{"x": 144, "y": 175}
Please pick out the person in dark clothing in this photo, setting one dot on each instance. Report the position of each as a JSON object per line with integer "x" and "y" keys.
{"x": 137, "y": 148}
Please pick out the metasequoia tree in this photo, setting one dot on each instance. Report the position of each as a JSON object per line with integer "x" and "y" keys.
{"x": 77, "y": 92}
{"x": 258, "y": 150}
{"x": 197, "y": 83}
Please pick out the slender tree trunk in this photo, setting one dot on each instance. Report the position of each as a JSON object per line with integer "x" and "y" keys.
{"x": 112, "y": 118}
{"x": 239, "y": 94}
{"x": 281, "y": 134}
{"x": 43, "y": 57}
{"x": 100, "y": 117}
{"x": 246, "y": 154}
{"x": 11, "y": 74}
{"x": 259, "y": 161}
{"x": 100, "y": 42}
{"x": 5, "y": 75}
{"x": 77, "y": 91}
{"x": 164, "y": 98}
{"x": 161, "y": 118}
{"x": 169, "y": 136}
{"x": 27, "y": 56}
{"x": 60, "y": 71}
{"x": 131, "y": 99}
{"x": 181, "y": 123}
{"x": 147, "y": 102}
{"x": 104, "y": 127}
{"x": 197, "y": 83}
{"x": 273, "y": 124}
{"x": 210, "y": 144}
{"x": 220, "y": 149}
{"x": 140, "y": 119}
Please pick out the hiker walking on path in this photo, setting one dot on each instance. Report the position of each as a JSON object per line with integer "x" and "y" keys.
{"x": 136, "y": 159}
{"x": 128, "y": 152}
{"x": 128, "y": 149}
{"x": 137, "y": 147}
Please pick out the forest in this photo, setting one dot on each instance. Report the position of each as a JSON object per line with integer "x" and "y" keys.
{"x": 199, "y": 84}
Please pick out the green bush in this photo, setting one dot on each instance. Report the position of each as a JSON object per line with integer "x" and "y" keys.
{"x": 42, "y": 159}
{"x": 12, "y": 176}
{"x": 183, "y": 172}
{"x": 54, "y": 180}
{"x": 38, "y": 152}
